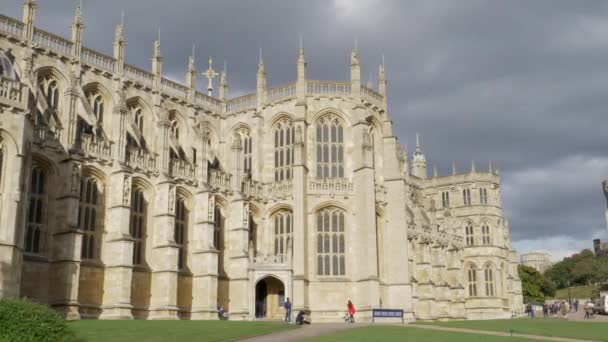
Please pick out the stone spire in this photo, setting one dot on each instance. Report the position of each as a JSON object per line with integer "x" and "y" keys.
{"x": 301, "y": 82}
{"x": 261, "y": 82}
{"x": 473, "y": 168}
{"x": 29, "y": 14}
{"x": 157, "y": 62}
{"x": 119, "y": 46}
{"x": 77, "y": 29}
{"x": 355, "y": 72}
{"x": 435, "y": 174}
{"x": 419, "y": 162}
{"x": 453, "y": 167}
{"x": 224, "y": 83}
{"x": 490, "y": 167}
{"x": 191, "y": 75}
{"x": 382, "y": 82}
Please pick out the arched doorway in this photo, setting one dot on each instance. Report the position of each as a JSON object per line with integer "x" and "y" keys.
{"x": 269, "y": 298}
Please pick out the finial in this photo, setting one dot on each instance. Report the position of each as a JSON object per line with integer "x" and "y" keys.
{"x": 193, "y": 47}
{"x": 210, "y": 74}
{"x": 435, "y": 169}
{"x": 356, "y": 43}
{"x": 382, "y": 61}
{"x": 453, "y": 167}
{"x": 490, "y": 166}
{"x": 473, "y": 169}
{"x": 225, "y": 66}
{"x": 369, "y": 83}
{"x": 159, "y": 34}
{"x": 260, "y": 54}
{"x": 497, "y": 170}
{"x": 417, "y": 141}
{"x": 301, "y": 44}
{"x": 122, "y": 18}
{"x": 78, "y": 14}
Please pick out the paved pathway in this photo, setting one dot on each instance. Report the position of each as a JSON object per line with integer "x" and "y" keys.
{"x": 498, "y": 333}
{"x": 306, "y": 331}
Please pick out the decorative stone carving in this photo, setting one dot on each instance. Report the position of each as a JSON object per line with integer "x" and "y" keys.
{"x": 211, "y": 213}
{"x": 298, "y": 136}
{"x": 246, "y": 215}
{"x": 126, "y": 190}
{"x": 75, "y": 186}
{"x": 171, "y": 208}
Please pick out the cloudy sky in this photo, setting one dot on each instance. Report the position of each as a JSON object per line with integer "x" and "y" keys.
{"x": 523, "y": 83}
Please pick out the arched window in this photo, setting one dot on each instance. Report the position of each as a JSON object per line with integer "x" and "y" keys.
{"x": 466, "y": 196}
{"x": 137, "y": 226}
{"x": 445, "y": 199}
{"x": 330, "y": 242}
{"x": 485, "y": 234}
{"x": 36, "y": 215}
{"x": 50, "y": 89}
{"x": 97, "y": 105}
{"x": 283, "y": 150}
{"x": 282, "y": 231}
{"x": 138, "y": 117}
{"x": 470, "y": 236}
{"x": 246, "y": 144}
{"x": 218, "y": 228}
{"x": 472, "y": 280}
{"x": 330, "y": 147}
{"x": 180, "y": 231}
{"x": 175, "y": 128}
{"x": 483, "y": 195}
{"x": 89, "y": 211}
{"x": 489, "y": 278}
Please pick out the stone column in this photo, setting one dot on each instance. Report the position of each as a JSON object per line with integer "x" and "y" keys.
{"x": 364, "y": 268}
{"x": 204, "y": 264}
{"x": 300, "y": 222}
{"x": 164, "y": 254}
{"x": 397, "y": 283}
{"x": 13, "y": 198}
{"x": 67, "y": 239}
{"x": 238, "y": 259}
{"x": 117, "y": 252}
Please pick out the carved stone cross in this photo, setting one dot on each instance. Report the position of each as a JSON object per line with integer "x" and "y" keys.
{"x": 210, "y": 74}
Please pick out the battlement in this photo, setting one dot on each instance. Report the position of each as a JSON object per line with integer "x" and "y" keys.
{"x": 115, "y": 67}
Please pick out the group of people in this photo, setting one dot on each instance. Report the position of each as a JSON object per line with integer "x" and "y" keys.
{"x": 562, "y": 307}
{"x": 300, "y": 318}
{"x": 589, "y": 310}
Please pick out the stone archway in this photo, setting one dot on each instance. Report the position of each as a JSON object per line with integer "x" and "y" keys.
{"x": 269, "y": 298}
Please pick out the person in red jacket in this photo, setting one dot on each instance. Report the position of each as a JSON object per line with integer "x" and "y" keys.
{"x": 351, "y": 311}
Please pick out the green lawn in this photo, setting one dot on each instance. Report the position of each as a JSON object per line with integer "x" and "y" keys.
{"x": 152, "y": 331}
{"x": 396, "y": 333}
{"x": 538, "y": 326}
{"x": 575, "y": 292}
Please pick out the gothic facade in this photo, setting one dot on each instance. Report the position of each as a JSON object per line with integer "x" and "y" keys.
{"x": 127, "y": 195}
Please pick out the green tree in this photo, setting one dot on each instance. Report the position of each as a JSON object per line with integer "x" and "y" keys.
{"x": 535, "y": 287}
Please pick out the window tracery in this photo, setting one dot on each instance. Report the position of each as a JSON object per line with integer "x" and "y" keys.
{"x": 282, "y": 231}
{"x": 330, "y": 147}
{"x": 36, "y": 224}
{"x": 330, "y": 242}
{"x": 283, "y": 150}
{"x": 88, "y": 213}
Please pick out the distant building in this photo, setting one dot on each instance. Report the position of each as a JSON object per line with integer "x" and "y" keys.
{"x": 600, "y": 248}
{"x": 605, "y": 188}
{"x": 540, "y": 261}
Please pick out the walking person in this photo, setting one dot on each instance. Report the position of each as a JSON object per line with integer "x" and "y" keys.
{"x": 287, "y": 306}
{"x": 351, "y": 311}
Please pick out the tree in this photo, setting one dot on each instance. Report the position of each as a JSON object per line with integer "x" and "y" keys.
{"x": 583, "y": 268}
{"x": 535, "y": 287}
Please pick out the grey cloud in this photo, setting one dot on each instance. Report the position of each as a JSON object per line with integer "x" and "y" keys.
{"x": 520, "y": 82}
